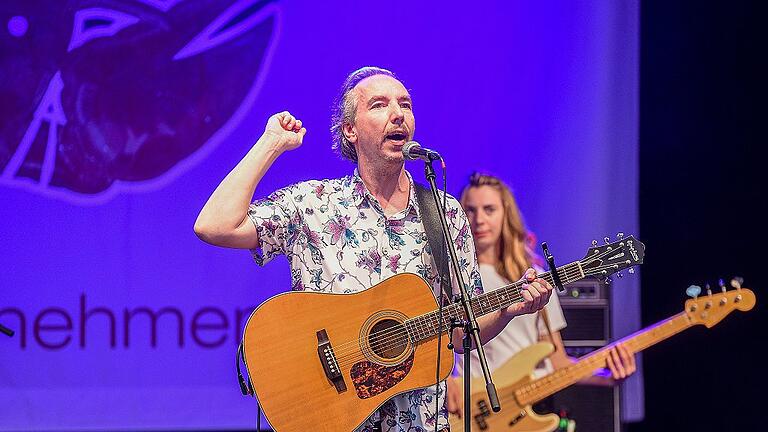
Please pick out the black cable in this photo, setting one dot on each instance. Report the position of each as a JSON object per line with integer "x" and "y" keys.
{"x": 245, "y": 386}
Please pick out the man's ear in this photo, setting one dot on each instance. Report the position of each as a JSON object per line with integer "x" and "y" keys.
{"x": 348, "y": 129}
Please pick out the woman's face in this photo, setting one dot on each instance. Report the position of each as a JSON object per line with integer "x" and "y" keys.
{"x": 485, "y": 211}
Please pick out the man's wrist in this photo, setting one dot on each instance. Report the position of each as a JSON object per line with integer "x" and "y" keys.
{"x": 270, "y": 143}
{"x": 507, "y": 314}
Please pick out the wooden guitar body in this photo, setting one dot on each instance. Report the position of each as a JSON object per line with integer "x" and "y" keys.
{"x": 281, "y": 348}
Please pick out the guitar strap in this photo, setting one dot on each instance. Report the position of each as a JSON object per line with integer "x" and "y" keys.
{"x": 543, "y": 315}
{"x": 431, "y": 222}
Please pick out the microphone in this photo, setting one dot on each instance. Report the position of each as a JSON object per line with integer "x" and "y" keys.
{"x": 413, "y": 150}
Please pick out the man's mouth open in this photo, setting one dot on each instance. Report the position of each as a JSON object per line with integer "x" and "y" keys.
{"x": 398, "y": 137}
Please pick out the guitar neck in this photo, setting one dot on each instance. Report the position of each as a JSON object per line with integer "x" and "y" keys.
{"x": 426, "y": 326}
{"x": 538, "y": 389}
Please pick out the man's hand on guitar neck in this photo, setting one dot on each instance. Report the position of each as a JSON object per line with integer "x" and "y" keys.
{"x": 535, "y": 292}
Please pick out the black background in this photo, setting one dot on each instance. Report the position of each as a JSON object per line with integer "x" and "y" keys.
{"x": 702, "y": 208}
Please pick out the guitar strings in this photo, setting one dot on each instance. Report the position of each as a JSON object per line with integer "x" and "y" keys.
{"x": 399, "y": 334}
{"x": 377, "y": 336}
{"x": 495, "y": 303}
{"x": 395, "y": 337}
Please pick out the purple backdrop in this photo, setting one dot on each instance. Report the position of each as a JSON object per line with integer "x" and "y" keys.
{"x": 120, "y": 117}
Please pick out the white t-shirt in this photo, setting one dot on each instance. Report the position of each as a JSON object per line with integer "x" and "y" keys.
{"x": 522, "y": 332}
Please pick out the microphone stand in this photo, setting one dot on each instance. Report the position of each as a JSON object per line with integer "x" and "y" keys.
{"x": 471, "y": 328}
{"x": 6, "y": 331}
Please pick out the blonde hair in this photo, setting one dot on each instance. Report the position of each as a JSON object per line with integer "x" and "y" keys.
{"x": 515, "y": 251}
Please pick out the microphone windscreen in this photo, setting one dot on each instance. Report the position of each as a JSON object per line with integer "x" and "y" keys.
{"x": 407, "y": 150}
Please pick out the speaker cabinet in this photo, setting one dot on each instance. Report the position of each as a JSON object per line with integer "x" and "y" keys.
{"x": 593, "y": 408}
{"x": 587, "y": 309}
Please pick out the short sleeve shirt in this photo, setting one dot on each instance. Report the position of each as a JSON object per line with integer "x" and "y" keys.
{"x": 338, "y": 239}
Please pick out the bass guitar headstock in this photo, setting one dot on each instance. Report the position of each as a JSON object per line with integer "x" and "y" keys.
{"x": 710, "y": 308}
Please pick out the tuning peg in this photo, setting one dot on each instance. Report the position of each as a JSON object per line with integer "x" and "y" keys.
{"x": 606, "y": 239}
{"x": 620, "y": 236}
{"x": 722, "y": 284}
{"x": 708, "y": 304}
{"x": 594, "y": 242}
{"x": 736, "y": 282}
{"x": 631, "y": 270}
{"x": 693, "y": 291}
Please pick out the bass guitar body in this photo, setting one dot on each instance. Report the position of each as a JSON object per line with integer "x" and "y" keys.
{"x": 513, "y": 416}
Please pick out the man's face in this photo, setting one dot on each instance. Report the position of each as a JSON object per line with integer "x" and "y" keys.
{"x": 384, "y": 119}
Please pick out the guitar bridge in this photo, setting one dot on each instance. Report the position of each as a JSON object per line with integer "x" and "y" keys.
{"x": 328, "y": 360}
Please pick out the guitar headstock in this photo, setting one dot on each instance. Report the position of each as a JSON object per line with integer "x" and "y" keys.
{"x": 710, "y": 308}
{"x": 604, "y": 260}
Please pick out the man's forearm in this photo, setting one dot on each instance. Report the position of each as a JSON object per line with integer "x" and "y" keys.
{"x": 226, "y": 210}
{"x": 490, "y": 326}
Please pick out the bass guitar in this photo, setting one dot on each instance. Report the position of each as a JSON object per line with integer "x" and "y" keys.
{"x": 517, "y": 392}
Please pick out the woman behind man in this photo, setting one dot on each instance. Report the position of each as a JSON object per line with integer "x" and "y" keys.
{"x": 504, "y": 252}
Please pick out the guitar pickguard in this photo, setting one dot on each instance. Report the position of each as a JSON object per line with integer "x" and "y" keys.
{"x": 371, "y": 379}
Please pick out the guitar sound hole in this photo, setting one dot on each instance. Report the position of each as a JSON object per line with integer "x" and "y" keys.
{"x": 388, "y": 339}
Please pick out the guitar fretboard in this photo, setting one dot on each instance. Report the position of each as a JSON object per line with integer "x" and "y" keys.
{"x": 426, "y": 326}
{"x": 540, "y": 388}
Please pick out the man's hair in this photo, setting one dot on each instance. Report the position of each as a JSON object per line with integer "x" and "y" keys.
{"x": 345, "y": 107}
{"x": 516, "y": 252}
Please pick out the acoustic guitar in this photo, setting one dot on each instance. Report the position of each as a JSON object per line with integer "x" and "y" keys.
{"x": 326, "y": 362}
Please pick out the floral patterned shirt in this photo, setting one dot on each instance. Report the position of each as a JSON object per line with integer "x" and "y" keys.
{"x": 338, "y": 239}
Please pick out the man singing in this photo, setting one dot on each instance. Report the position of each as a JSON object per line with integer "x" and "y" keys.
{"x": 345, "y": 235}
